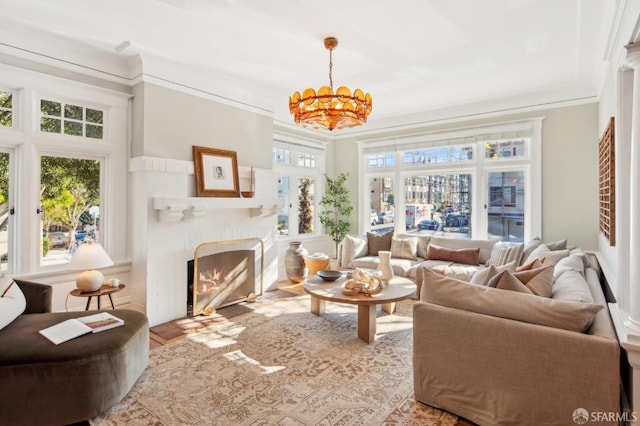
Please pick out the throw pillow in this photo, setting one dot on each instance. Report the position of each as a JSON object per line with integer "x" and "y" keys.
{"x": 529, "y": 247}
{"x": 536, "y": 263}
{"x": 466, "y": 256}
{"x": 507, "y": 281}
{"x": 483, "y": 276}
{"x": 352, "y": 248}
{"x": 547, "y": 257}
{"x": 404, "y": 248}
{"x": 505, "y": 252}
{"x": 452, "y": 293}
{"x": 377, "y": 242}
{"x": 573, "y": 262}
{"x": 12, "y": 302}
{"x": 538, "y": 280}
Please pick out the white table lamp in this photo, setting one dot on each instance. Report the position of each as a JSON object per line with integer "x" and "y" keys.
{"x": 88, "y": 257}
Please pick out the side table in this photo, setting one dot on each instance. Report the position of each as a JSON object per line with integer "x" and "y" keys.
{"x": 103, "y": 291}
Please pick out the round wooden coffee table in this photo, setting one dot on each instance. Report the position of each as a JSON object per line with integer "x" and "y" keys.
{"x": 399, "y": 288}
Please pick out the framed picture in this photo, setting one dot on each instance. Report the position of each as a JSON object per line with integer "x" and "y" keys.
{"x": 216, "y": 172}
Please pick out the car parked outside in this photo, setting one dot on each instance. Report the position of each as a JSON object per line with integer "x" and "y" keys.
{"x": 58, "y": 239}
{"x": 428, "y": 225}
{"x": 385, "y": 217}
{"x": 374, "y": 217}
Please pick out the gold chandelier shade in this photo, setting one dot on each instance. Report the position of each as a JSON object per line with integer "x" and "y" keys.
{"x": 329, "y": 109}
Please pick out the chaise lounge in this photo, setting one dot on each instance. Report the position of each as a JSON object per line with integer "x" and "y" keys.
{"x": 46, "y": 384}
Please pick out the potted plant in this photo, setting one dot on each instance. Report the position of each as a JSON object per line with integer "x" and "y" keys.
{"x": 336, "y": 208}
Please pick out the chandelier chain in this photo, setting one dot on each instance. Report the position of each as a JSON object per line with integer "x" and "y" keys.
{"x": 331, "y": 69}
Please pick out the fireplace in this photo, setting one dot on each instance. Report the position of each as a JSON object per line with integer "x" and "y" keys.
{"x": 223, "y": 273}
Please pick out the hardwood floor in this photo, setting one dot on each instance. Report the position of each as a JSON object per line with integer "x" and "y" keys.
{"x": 178, "y": 329}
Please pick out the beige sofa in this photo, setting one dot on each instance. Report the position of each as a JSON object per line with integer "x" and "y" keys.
{"x": 500, "y": 357}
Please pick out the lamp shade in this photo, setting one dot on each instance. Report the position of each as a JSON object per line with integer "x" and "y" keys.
{"x": 89, "y": 257}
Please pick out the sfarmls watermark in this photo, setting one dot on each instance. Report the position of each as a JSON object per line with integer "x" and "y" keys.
{"x": 581, "y": 416}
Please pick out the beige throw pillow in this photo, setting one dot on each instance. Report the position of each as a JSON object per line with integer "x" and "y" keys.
{"x": 352, "y": 248}
{"x": 505, "y": 252}
{"x": 404, "y": 248}
{"x": 452, "y": 293}
{"x": 546, "y": 256}
{"x": 12, "y": 302}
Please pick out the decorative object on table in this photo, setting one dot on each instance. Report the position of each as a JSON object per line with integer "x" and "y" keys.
{"x": 363, "y": 282}
{"x": 252, "y": 186}
{"x": 328, "y": 109}
{"x": 89, "y": 257}
{"x": 316, "y": 262}
{"x": 384, "y": 267}
{"x": 329, "y": 275}
{"x": 216, "y": 172}
{"x": 294, "y": 262}
{"x": 336, "y": 208}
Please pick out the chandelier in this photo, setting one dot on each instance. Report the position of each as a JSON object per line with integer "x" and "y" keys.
{"x": 327, "y": 109}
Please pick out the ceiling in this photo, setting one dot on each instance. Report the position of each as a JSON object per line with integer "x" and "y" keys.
{"x": 413, "y": 56}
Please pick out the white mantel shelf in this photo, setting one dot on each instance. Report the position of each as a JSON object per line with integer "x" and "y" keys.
{"x": 175, "y": 209}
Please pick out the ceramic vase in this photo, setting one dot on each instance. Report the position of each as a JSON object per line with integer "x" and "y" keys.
{"x": 294, "y": 262}
{"x": 385, "y": 266}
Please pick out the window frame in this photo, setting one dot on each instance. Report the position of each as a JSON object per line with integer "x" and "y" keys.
{"x": 27, "y": 143}
{"x": 300, "y": 148}
{"x": 479, "y": 169}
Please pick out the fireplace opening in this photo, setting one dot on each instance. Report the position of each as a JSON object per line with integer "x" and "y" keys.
{"x": 219, "y": 276}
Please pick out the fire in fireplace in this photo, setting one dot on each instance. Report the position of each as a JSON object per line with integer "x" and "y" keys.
{"x": 223, "y": 273}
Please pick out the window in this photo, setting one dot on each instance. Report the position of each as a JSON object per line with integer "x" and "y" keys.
{"x": 73, "y": 120}
{"x": 301, "y": 169}
{"x": 479, "y": 182}
{"x": 6, "y": 109}
{"x": 6, "y": 210}
{"x": 70, "y": 200}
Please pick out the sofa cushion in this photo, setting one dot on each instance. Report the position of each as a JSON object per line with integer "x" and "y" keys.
{"x": 468, "y": 256}
{"x": 505, "y": 252}
{"x": 353, "y": 247}
{"x": 12, "y": 301}
{"x": 365, "y": 262}
{"x": 378, "y": 242}
{"x": 404, "y": 248}
{"x": 452, "y": 293}
{"x": 535, "y": 242}
{"x": 572, "y": 286}
{"x": 573, "y": 262}
{"x": 485, "y": 246}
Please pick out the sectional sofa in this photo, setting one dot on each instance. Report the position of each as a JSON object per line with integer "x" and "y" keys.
{"x": 505, "y": 333}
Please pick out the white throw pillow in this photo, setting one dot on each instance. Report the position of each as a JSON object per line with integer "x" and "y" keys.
{"x": 12, "y": 304}
{"x": 404, "y": 248}
{"x": 352, "y": 248}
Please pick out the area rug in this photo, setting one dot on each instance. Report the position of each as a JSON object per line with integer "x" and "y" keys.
{"x": 281, "y": 365}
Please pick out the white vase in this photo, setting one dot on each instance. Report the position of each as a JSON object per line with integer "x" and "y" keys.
{"x": 385, "y": 266}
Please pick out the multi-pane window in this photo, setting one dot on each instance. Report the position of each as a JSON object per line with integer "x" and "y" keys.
{"x": 480, "y": 188}
{"x": 70, "y": 200}
{"x": 73, "y": 120}
{"x": 505, "y": 149}
{"x": 300, "y": 168}
{"x": 282, "y": 156}
{"x": 438, "y": 155}
{"x": 6, "y": 109}
{"x": 381, "y": 160}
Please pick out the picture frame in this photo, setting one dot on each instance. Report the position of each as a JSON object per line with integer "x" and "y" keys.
{"x": 216, "y": 172}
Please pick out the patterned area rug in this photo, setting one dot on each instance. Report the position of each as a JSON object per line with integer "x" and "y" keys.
{"x": 281, "y": 365}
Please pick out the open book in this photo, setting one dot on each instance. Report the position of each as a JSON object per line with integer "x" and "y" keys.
{"x": 74, "y": 327}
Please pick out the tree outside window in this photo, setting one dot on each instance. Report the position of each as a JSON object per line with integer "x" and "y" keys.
{"x": 70, "y": 198}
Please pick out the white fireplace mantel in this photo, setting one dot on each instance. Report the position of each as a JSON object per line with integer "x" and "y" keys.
{"x": 186, "y": 208}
